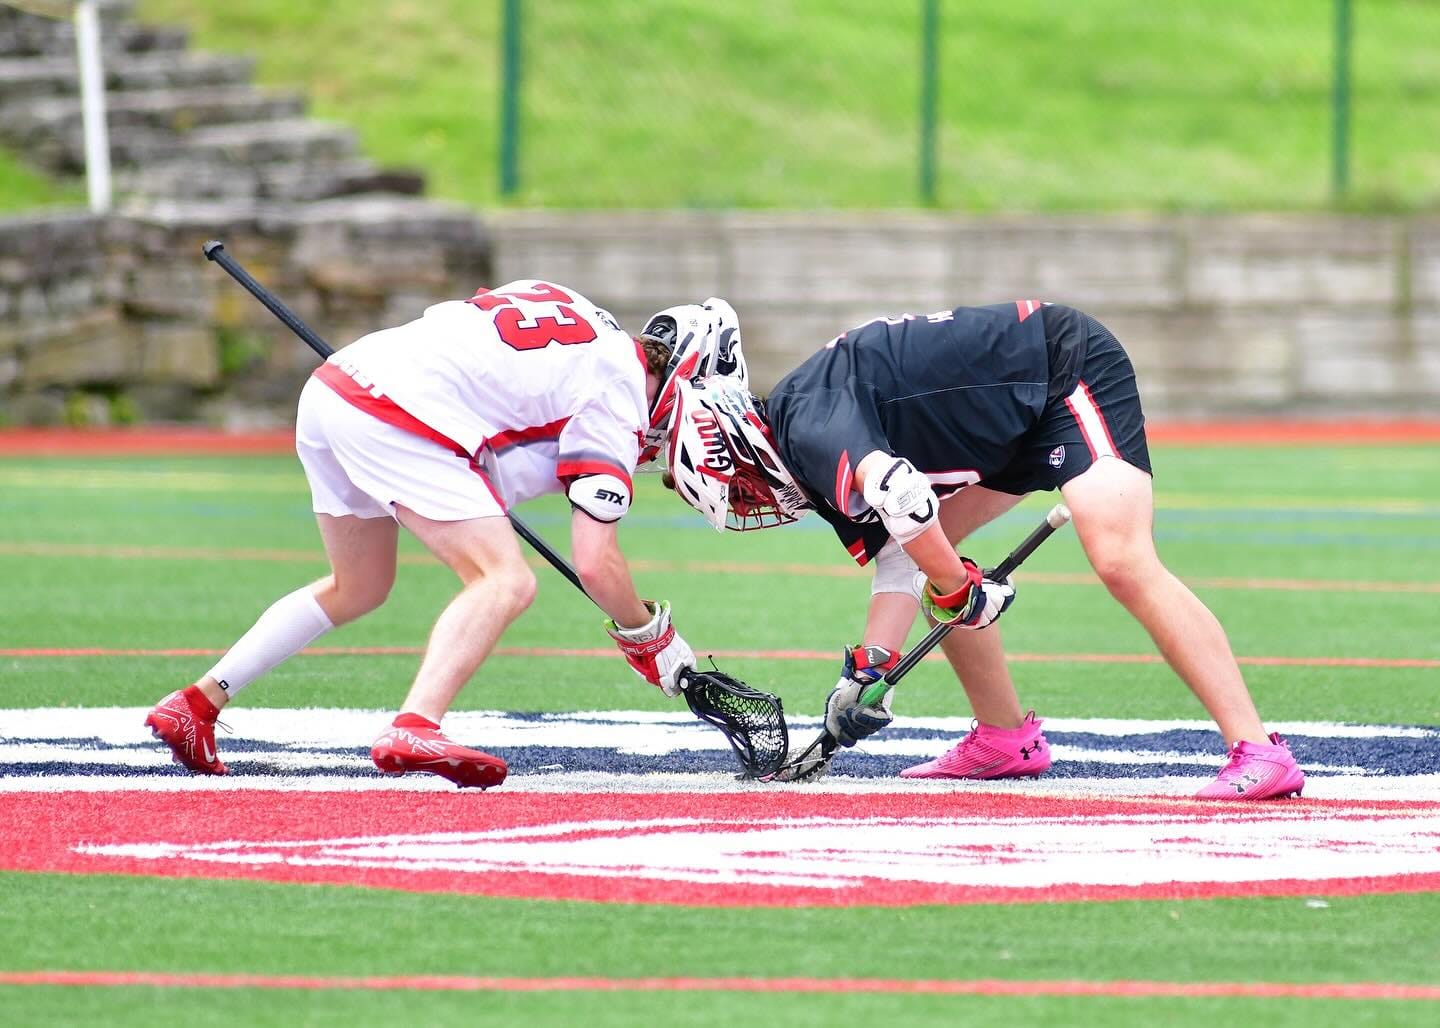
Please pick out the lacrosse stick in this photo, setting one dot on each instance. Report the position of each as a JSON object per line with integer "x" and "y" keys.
{"x": 815, "y": 759}
{"x": 215, "y": 251}
{"x": 752, "y": 721}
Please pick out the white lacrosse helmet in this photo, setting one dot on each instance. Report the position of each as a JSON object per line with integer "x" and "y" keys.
{"x": 704, "y": 340}
{"x": 723, "y": 459}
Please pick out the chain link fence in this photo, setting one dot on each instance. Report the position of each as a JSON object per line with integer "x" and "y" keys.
{"x": 1031, "y": 105}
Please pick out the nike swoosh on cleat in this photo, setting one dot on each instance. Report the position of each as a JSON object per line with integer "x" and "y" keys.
{"x": 209, "y": 753}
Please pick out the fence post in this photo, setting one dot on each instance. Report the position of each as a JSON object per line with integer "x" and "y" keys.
{"x": 929, "y": 92}
{"x": 1340, "y": 104}
{"x": 510, "y": 98}
{"x": 92, "y": 105}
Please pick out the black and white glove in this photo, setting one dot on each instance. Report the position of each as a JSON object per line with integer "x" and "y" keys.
{"x": 655, "y": 650}
{"x": 976, "y": 604}
{"x": 846, "y": 718}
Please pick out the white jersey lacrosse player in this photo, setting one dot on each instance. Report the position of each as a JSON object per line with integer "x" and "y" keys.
{"x": 440, "y": 425}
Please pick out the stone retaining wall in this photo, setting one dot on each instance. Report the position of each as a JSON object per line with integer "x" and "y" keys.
{"x": 123, "y": 319}
{"x": 1242, "y": 315}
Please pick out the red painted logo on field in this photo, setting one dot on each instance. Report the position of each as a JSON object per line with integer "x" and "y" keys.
{"x": 775, "y": 849}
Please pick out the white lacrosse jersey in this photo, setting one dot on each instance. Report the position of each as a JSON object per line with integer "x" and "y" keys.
{"x": 531, "y": 380}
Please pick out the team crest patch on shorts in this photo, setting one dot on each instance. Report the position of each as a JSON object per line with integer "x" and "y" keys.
{"x": 1057, "y": 456}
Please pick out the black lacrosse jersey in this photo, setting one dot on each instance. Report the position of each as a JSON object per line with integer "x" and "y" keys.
{"x": 953, "y": 392}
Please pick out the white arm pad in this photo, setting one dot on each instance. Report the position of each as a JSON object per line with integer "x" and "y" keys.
{"x": 903, "y": 498}
{"x": 895, "y": 572}
{"x": 603, "y": 497}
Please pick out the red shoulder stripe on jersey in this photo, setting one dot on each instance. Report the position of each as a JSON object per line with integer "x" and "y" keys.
{"x": 511, "y": 436}
{"x": 1025, "y": 308}
{"x": 382, "y": 407}
{"x": 844, "y": 476}
{"x": 576, "y": 468}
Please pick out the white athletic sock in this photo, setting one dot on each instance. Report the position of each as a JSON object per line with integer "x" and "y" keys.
{"x": 291, "y": 624}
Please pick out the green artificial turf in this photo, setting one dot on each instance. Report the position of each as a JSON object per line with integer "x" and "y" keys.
{"x": 183, "y": 553}
{"x": 332, "y": 930}
{"x": 152, "y": 553}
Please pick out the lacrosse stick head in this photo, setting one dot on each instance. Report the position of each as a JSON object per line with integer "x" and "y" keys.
{"x": 812, "y": 763}
{"x": 752, "y": 721}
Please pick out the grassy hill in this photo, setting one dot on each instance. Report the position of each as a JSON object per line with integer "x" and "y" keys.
{"x": 1045, "y": 105}
{"x": 22, "y": 188}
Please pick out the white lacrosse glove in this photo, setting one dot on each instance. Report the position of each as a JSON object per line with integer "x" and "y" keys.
{"x": 976, "y": 604}
{"x": 655, "y": 650}
{"x": 846, "y": 718}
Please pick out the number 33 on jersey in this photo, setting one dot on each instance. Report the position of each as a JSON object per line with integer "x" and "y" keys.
{"x": 532, "y": 379}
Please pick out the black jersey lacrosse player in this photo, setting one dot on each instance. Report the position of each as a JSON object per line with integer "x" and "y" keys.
{"x": 908, "y": 433}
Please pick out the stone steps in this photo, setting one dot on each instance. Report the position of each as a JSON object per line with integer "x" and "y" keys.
{"x": 182, "y": 125}
{"x": 26, "y": 78}
{"x": 287, "y": 140}
{"x": 143, "y": 125}
{"x": 293, "y": 181}
{"x": 175, "y": 110}
{"x": 289, "y": 159}
{"x": 24, "y": 35}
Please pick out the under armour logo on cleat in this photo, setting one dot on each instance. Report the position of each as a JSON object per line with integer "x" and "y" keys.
{"x": 1025, "y": 751}
{"x": 1244, "y": 782}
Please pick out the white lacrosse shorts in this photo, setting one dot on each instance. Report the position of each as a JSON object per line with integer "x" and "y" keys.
{"x": 359, "y": 465}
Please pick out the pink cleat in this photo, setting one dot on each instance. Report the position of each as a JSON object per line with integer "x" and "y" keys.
{"x": 1256, "y": 772}
{"x": 190, "y": 736}
{"x": 399, "y": 750}
{"x": 990, "y": 752}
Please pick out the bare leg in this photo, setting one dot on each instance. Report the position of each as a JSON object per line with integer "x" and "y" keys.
{"x": 362, "y": 565}
{"x": 362, "y": 570}
{"x": 1113, "y": 508}
{"x": 978, "y": 658}
{"x": 498, "y": 586}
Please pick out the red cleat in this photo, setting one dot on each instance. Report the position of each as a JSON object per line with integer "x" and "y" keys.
{"x": 191, "y": 738}
{"x": 399, "y": 750}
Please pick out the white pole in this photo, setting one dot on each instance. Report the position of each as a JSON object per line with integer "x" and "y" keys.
{"x": 92, "y": 105}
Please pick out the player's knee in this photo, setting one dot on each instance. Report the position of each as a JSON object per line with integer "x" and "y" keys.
{"x": 517, "y": 585}
{"x": 1125, "y": 570}
{"x": 355, "y": 596}
{"x": 364, "y": 603}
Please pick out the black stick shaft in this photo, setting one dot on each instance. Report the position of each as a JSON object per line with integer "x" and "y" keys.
{"x": 215, "y": 251}
{"x": 1058, "y": 515}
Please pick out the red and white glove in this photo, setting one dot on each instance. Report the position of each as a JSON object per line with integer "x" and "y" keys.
{"x": 976, "y": 604}
{"x": 655, "y": 650}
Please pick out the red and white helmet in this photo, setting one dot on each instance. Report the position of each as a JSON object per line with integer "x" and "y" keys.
{"x": 704, "y": 340}
{"x": 723, "y": 459}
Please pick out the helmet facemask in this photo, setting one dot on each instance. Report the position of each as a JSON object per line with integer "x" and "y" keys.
{"x": 723, "y": 461}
